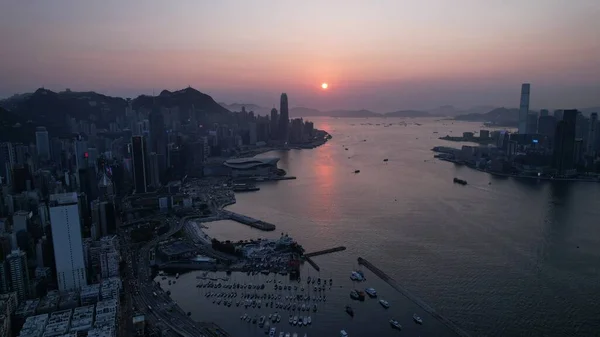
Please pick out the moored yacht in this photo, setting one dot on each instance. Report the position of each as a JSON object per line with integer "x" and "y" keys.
{"x": 384, "y": 303}
{"x": 371, "y": 292}
{"x": 349, "y": 311}
{"x": 395, "y": 324}
{"x": 343, "y": 333}
{"x": 417, "y": 319}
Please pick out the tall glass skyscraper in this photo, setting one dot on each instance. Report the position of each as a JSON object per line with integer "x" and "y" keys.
{"x": 138, "y": 154}
{"x": 524, "y": 108}
{"x": 42, "y": 143}
{"x": 284, "y": 118}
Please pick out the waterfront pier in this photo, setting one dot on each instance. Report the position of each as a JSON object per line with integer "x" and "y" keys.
{"x": 325, "y": 251}
{"x": 248, "y": 221}
{"x": 448, "y": 323}
{"x": 312, "y": 263}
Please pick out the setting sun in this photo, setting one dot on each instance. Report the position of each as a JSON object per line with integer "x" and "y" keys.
{"x": 324, "y": 85}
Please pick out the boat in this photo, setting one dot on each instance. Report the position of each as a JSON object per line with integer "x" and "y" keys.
{"x": 384, "y": 303}
{"x": 287, "y": 334}
{"x": 294, "y": 335}
{"x": 385, "y": 159}
{"x": 349, "y": 311}
{"x": 295, "y": 320}
{"x": 300, "y": 321}
{"x": 308, "y": 280}
{"x": 361, "y": 295}
{"x": 309, "y": 320}
{"x": 395, "y": 324}
{"x": 354, "y": 295}
{"x": 267, "y": 327}
{"x": 460, "y": 181}
{"x": 314, "y": 307}
{"x": 261, "y": 322}
{"x": 281, "y": 334}
{"x": 355, "y": 276}
{"x": 291, "y": 319}
{"x": 417, "y": 319}
{"x": 343, "y": 333}
{"x": 305, "y": 321}
{"x": 371, "y": 292}
{"x": 356, "y": 171}
{"x": 272, "y": 332}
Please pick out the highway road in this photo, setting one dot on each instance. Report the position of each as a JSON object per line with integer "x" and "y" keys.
{"x": 156, "y": 308}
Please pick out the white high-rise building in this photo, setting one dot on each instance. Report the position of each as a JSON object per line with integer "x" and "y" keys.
{"x": 66, "y": 237}
{"x": 42, "y": 143}
{"x": 19, "y": 274}
{"x": 524, "y": 108}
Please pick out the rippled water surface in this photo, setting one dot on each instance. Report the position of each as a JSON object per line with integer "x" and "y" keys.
{"x": 499, "y": 256}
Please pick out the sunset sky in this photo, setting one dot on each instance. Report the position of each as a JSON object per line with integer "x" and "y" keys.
{"x": 379, "y": 55}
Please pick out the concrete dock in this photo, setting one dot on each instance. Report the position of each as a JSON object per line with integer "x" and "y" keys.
{"x": 248, "y": 221}
{"x": 448, "y": 323}
{"x": 325, "y": 251}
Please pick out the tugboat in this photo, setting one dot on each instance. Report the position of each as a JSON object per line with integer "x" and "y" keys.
{"x": 395, "y": 324}
{"x": 371, "y": 292}
{"x": 460, "y": 181}
{"x": 349, "y": 311}
{"x": 417, "y": 319}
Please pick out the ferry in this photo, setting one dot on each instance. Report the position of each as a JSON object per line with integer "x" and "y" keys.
{"x": 395, "y": 324}
{"x": 417, "y": 319}
{"x": 349, "y": 311}
{"x": 343, "y": 333}
{"x": 371, "y": 292}
{"x": 384, "y": 303}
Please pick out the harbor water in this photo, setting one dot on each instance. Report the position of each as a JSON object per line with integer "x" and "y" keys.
{"x": 498, "y": 256}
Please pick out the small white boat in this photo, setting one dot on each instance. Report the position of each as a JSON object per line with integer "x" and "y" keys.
{"x": 287, "y": 334}
{"x": 395, "y": 324}
{"x": 272, "y": 332}
{"x": 305, "y": 321}
{"x": 417, "y": 319}
{"x": 384, "y": 303}
{"x": 371, "y": 292}
{"x": 295, "y": 321}
{"x": 343, "y": 333}
{"x": 309, "y": 320}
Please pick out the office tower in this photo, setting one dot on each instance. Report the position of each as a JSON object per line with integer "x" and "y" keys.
{"x": 138, "y": 151}
{"x": 284, "y": 118}
{"x": 544, "y": 112}
{"x": 81, "y": 156}
{"x": 558, "y": 115}
{"x": 592, "y": 133}
{"x": 274, "y": 123}
{"x": 547, "y": 126}
{"x": 153, "y": 172}
{"x": 7, "y": 161}
{"x": 524, "y": 108}
{"x": 532, "y": 120}
{"x": 564, "y": 145}
{"x": 66, "y": 236}
{"x": 5, "y": 280}
{"x": 42, "y": 143}
{"x": 19, "y": 274}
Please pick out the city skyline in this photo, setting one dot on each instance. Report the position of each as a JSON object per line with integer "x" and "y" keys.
{"x": 409, "y": 56}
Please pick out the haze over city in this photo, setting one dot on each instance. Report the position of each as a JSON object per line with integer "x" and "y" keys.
{"x": 380, "y": 56}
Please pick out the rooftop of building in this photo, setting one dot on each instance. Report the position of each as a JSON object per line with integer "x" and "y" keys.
{"x": 101, "y": 332}
{"x": 27, "y": 307}
{"x": 64, "y": 198}
{"x": 34, "y": 326}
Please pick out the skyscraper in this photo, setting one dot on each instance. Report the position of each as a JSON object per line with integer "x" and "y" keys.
{"x": 42, "y": 143}
{"x": 19, "y": 274}
{"x": 66, "y": 236}
{"x": 284, "y": 118}
{"x": 592, "y": 131}
{"x": 564, "y": 145}
{"x": 524, "y": 108}
{"x": 274, "y": 124}
{"x": 544, "y": 112}
{"x": 138, "y": 154}
{"x": 7, "y": 161}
